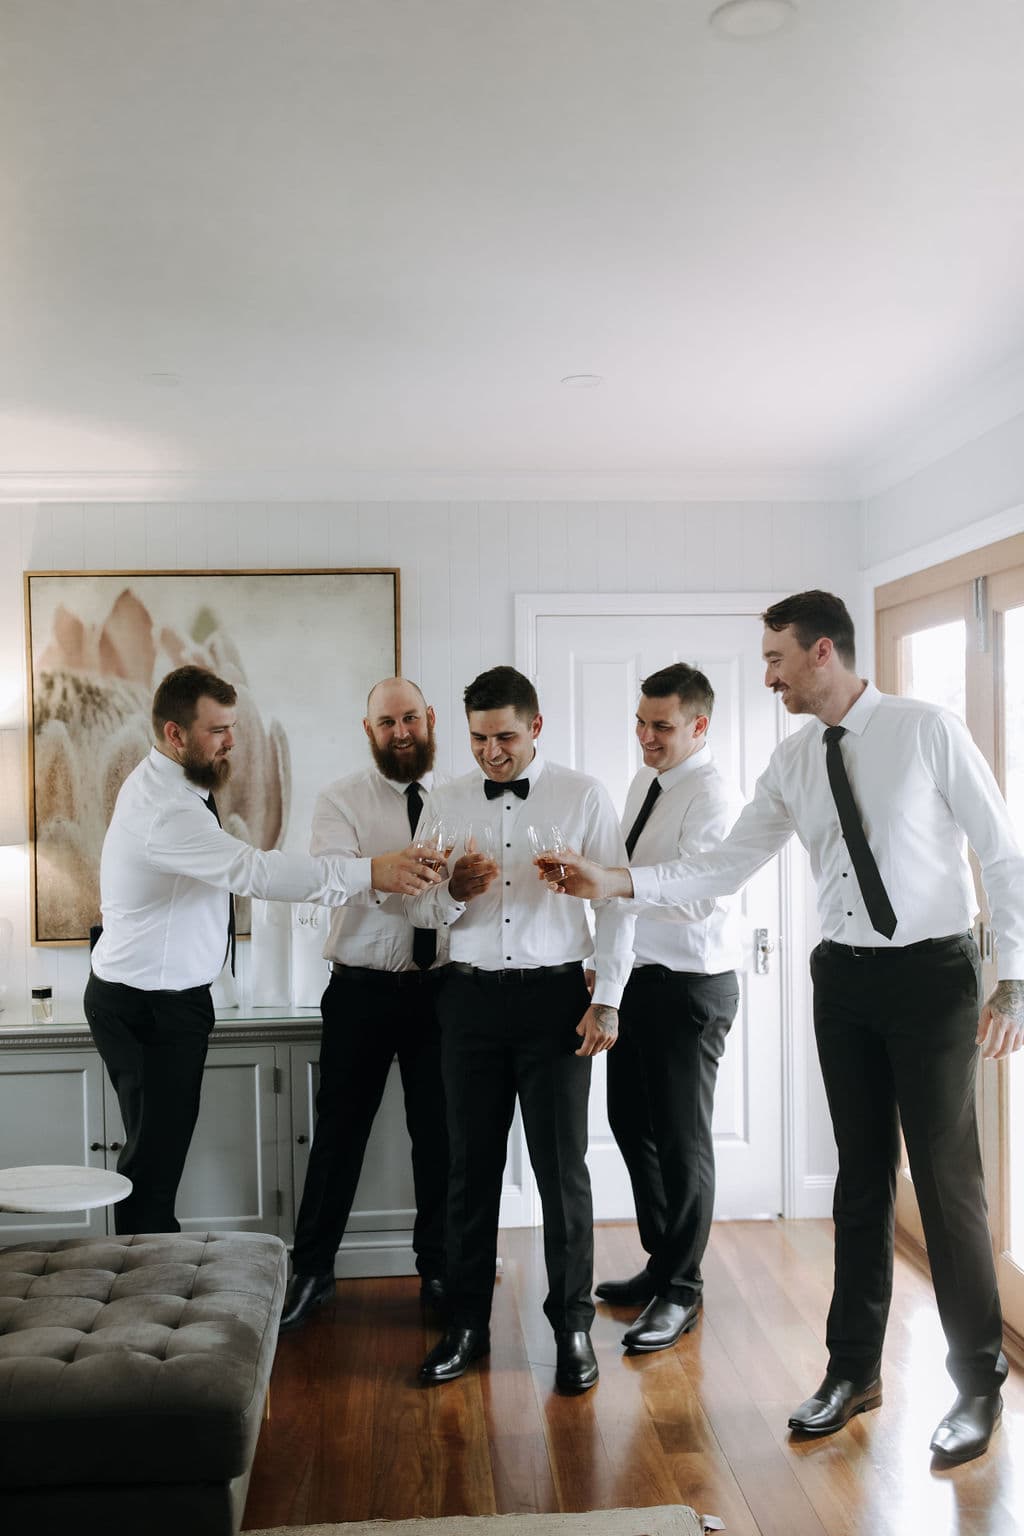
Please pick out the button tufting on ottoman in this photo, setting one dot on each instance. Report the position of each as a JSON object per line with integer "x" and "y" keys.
{"x": 133, "y": 1372}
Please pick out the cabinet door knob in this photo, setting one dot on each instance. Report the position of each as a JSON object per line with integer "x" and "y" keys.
{"x": 115, "y": 1146}
{"x": 97, "y": 1146}
{"x": 302, "y": 1140}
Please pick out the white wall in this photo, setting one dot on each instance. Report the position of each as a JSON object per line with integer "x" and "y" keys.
{"x": 940, "y": 504}
{"x": 461, "y": 565}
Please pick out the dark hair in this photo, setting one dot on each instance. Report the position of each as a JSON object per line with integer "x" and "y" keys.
{"x": 177, "y": 697}
{"x": 815, "y": 616}
{"x": 692, "y": 687}
{"x": 500, "y": 687}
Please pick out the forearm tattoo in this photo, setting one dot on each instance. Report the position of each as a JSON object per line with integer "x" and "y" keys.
{"x": 607, "y": 1021}
{"x": 1008, "y": 999}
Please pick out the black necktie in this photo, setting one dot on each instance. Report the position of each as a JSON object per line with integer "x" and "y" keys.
{"x": 520, "y": 787}
{"x": 424, "y": 940}
{"x": 211, "y": 806}
{"x": 653, "y": 791}
{"x": 876, "y": 897}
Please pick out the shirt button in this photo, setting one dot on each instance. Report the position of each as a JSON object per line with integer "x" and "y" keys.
{"x": 849, "y": 914}
{"x": 508, "y": 957}
{"x": 508, "y": 882}
{"x": 844, "y": 876}
{"x": 508, "y": 845}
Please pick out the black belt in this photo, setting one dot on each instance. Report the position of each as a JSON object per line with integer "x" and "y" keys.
{"x": 866, "y": 952}
{"x": 517, "y": 975}
{"x": 387, "y": 978}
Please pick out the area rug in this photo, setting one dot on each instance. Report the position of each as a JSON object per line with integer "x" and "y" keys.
{"x": 665, "y": 1520}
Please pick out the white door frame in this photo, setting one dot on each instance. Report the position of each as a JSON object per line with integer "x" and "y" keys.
{"x": 803, "y": 1194}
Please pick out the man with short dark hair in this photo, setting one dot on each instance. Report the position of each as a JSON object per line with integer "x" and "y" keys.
{"x": 380, "y": 1002}
{"x": 676, "y": 1011}
{"x": 166, "y": 874}
{"x": 517, "y": 1021}
{"x": 884, "y": 792}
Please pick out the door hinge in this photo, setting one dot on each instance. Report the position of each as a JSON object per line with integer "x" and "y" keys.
{"x": 763, "y": 951}
{"x": 279, "y": 1201}
{"x": 278, "y": 1079}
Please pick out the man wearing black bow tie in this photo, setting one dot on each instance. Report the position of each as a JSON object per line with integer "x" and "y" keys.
{"x": 517, "y": 1020}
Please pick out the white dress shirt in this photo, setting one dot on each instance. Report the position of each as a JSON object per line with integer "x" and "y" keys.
{"x": 517, "y": 922}
{"x": 366, "y": 813}
{"x": 691, "y": 816}
{"x": 165, "y": 873}
{"x": 920, "y": 784}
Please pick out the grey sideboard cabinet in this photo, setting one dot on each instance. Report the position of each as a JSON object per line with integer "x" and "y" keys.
{"x": 247, "y": 1161}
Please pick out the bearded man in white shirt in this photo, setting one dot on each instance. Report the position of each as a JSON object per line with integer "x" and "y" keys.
{"x": 884, "y": 792}
{"x": 517, "y": 1020}
{"x": 677, "y": 1009}
{"x": 167, "y": 872}
{"x": 381, "y": 1002}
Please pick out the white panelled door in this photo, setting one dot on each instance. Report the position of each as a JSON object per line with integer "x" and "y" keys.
{"x": 588, "y": 667}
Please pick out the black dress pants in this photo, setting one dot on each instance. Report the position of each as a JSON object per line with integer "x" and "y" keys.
{"x": 501, "y": 1039}
{"x": 895, "y": 1037}
{"x": 661, "y": 1090}
{"x": 370, "y": 1017}
{"x": 153, "y": 1045}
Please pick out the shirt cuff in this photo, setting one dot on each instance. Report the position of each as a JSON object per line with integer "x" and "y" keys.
{"x": 646, "y": 885}
{"x": 1009, "y": 967}
{"x": 357, "y": 876}
{"x": 607, "y": 993}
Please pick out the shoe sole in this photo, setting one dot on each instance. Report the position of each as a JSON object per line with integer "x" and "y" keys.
{"x": 574, "y": 1389}
{"x": 958, "y": 1461}
{"x": 652, "y": 1349}
{"x": 831, "y": 1429}
{"x": 433, "y": 1379}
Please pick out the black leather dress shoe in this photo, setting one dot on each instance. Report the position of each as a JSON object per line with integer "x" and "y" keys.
{"x": 660, "y": 1325}
{"x": 634, "y": 1292}
{"x": 456, "y": 1352}
{"x": 432, "y": 1293}
{"x": 833, "y": 1404}
{"x": 576, "y": 1363}
{"x": 967, "y": 1428}
{"x": 304, "y": 1293}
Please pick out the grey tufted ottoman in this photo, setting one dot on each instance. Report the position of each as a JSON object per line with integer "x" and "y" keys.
{"x": 133, "y": 1372}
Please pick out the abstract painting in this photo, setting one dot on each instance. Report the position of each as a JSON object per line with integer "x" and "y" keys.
{"x": 302, "y": 648}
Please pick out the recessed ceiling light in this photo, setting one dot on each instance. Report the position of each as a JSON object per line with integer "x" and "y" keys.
{"x": 582, "y": 380}
{"x": 164, "y": 380}
{"x": 753, "y": 18}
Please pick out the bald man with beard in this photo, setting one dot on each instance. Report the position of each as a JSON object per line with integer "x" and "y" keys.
{"x": 379, "y": 1004}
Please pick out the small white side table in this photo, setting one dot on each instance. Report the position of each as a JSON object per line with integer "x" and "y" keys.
{"x": 60, "y": 1187}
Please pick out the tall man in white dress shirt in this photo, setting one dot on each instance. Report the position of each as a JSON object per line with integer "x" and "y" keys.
{"x": 884, "y": 793}
{"x": 381, "y": 1002}
{"x": 677, "y": 1009}
{"x": 517, "y": 1020}
{"x": 166, "y": 875}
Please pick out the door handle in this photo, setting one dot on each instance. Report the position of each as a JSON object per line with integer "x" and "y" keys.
{"x": 763, "y": 950}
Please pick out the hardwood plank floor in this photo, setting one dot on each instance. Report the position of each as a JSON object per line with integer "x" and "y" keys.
{"x": 352, "y": 1436}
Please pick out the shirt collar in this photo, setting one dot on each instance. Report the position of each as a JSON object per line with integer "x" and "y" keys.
{"x": 858, "y": 716}
{"x": 673, "y": 776}
{"x": 532, "y": 771}
{"x": 425, "y": 781}
{"x": 174, "y": 771}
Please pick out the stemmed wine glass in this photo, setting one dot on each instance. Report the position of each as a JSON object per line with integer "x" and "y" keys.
{"x": 435, "y": 841}
{"x": 478, "y": 837}
{"x": 546, "y": 843}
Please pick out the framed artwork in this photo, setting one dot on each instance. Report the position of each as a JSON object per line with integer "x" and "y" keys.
{"x": 302, "y": 648}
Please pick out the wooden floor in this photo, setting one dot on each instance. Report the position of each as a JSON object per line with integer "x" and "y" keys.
{"x": 352, "y": 1436}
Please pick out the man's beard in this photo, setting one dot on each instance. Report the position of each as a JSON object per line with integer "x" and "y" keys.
{"x": 204, "y": 774}
{"x": 408, "y": 766}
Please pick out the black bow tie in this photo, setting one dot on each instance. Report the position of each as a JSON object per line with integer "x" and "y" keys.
{"x": 520, "y": 787}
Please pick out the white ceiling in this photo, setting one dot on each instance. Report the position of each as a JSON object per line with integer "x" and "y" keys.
{"x": 370, "y": 237}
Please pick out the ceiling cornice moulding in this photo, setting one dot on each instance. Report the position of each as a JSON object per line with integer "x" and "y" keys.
{"x": 769, "y": 484}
